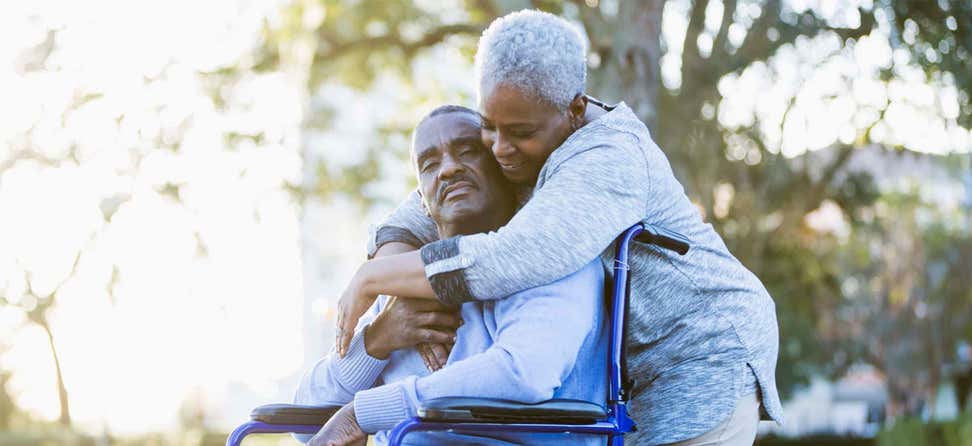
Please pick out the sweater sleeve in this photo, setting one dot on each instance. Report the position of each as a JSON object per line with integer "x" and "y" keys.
{"x": 334, "y": 380}
{"x": 583, "y": 204}
{"x": 539, "y": 333}
{"x": 409, "y": 223}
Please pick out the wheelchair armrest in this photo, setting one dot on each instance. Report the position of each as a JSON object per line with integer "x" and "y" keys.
{"x": 293, "y": 414}
{"x": 561, "y": 411}
{"x": 670, "y": 240}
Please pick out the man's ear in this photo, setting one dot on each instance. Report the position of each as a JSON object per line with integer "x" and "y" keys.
{"x": 425, "y": 206}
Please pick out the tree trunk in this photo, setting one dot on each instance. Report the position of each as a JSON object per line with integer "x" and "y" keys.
{"x": 7, "y": 406}
{"x": 62, "y": 395}
{"x": 629, "y": 49}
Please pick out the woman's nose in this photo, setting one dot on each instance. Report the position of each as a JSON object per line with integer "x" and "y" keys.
{"x": 501, "y": 147}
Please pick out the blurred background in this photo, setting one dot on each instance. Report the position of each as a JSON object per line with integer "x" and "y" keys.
{"x": 185, "y": 186}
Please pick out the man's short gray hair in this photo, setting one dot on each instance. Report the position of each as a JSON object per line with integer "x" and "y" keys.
{"x": 536, "y": 52}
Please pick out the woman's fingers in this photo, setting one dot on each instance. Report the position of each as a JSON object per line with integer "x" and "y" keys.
{"x": 345, "y": 342}
{"x": 343, "y": 331}
{"x": 350, "y": 308}
{"x": 337, "y": 332}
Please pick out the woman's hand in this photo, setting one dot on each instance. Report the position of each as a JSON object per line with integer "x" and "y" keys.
{"x": 406, "y": 323}
{"x": 341, "y": 430}
{"x": 353, "y": 304}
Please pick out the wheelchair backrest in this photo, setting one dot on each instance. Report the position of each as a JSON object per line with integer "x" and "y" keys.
{"x": 618, "y": 380}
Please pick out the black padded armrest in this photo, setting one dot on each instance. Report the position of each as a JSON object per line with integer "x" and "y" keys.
{"x": 670, "y": 240}
{"x": 494, "y": 410}
{"x": 293, "y": 414}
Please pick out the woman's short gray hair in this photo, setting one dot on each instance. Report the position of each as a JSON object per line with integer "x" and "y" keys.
{"x": 536, "y": 52}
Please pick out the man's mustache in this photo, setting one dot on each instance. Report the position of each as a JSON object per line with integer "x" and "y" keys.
{"x": 444, "y": 185}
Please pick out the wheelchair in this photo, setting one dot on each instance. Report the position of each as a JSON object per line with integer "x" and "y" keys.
{"x": 483, "y": 416}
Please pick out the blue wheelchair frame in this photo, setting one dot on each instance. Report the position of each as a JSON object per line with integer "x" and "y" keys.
{"x": 286, "y": 418}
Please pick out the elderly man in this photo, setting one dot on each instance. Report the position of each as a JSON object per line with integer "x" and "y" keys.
{"x": 522, "y": 348}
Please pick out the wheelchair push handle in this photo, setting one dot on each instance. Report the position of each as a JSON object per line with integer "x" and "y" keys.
{"x": 664, "y": 238}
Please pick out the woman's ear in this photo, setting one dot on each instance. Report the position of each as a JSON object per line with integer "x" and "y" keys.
{"x": 577, "y": 109}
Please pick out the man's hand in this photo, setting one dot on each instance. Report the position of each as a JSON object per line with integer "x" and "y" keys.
{"x": 435, "y": 356}
{"x": 341, "y": 430}
{"x": 399, "y": 275}
{"x": 405, "y": 323}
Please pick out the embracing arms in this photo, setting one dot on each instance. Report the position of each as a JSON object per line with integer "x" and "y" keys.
{"x": 583, "y": 202}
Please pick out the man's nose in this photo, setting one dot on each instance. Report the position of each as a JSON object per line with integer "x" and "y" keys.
{"x": 450, "y": 166}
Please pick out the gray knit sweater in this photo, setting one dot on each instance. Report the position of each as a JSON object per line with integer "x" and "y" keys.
{"x": 702, "y": 329}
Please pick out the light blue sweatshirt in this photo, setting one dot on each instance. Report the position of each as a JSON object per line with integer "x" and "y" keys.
{"x": 541, "y": 343}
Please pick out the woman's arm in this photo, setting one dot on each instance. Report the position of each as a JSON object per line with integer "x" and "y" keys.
{"x": 393, "y": 275}
{"x": 408, "y": 224}
{"x": 584, "y": 202}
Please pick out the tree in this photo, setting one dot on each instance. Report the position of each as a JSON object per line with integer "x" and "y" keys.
{"x": 903, "y": 279}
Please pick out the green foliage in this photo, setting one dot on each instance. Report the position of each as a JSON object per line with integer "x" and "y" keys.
{"x": 938, "y": 34}
{"x": 914, "y": 432}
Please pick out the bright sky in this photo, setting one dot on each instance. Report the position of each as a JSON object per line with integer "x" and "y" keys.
{"x": 210, "y": 292}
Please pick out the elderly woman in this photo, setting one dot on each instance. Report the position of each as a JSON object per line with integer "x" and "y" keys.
{"x": 702, "y": 333}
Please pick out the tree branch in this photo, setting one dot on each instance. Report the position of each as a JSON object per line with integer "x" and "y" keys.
{"x": 488, "y": 7}
{"x": 595, "y": 25}
{"x": 756, "y": 46}
{"x": 720, "y": 51}
{"x": 691, "y": 60}
{"x": 818, "y": 189}
{"x": 334, "y": 49}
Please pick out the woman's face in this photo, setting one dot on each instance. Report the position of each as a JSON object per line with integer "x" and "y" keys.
{"x": 522, "y": 132}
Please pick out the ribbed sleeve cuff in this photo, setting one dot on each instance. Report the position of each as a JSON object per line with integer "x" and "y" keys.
{"x": 388, "y": 234}
{"x": 443, "y": 267}
{"x": 358, "y": 369}
{"x": 381, "y": 408}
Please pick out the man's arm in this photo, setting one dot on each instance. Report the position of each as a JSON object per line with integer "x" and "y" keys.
{"x": 390, "y": 324}
{"x": 539, "y": 334}
{"x": 334, "y": 380}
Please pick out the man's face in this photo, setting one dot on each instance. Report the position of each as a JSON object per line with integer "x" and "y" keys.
{"x": 458, "y": 177}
